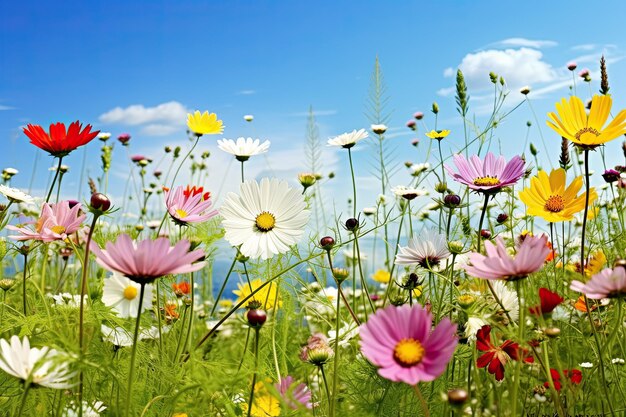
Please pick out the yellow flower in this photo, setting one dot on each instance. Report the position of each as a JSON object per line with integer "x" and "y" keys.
{"x": 547, "y": 197}
{"x": 417, "y": 291}
{"x": 267, "y": 296}
{"x": 381, "y": 276}
{"x": 437, "y": 134}
{"x": 593, "y": 212}
{"x": 595, "y": 264}
{"x": 204, "y": 124}
{"x": 573, "y": 123}
{"x": 264, "y": 404}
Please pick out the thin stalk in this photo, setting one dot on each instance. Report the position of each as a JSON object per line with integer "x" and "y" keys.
{"x": 330, "y": 407}
{"x": 159, "y": 322}
{"x": 363, "y": 282}
{"x": 333, "y": 403}
{"x": 353, "y": 184}
{"x": 482, "y": 218}
{"x": 81, "y": 322}
{"x": 190, "y": 325}
{"x": 422, "y": 401}
{"x": 133, "y": 353}
{"x": 242, "y": 176}
{"x": 256, "y": 365}
{"x": 184, "y": 159}
{"x": 24, "y": 282}
{"x": 340, "y": 291}
{"x": 23, "y": 398}
{"x": 54, "y": 180}
{"x": 219, "y": 295}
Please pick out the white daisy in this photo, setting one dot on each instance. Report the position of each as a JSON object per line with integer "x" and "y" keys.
{"x": 348, "y": 140}
{"x": 118, "y": 336}
{"x": 507, "y": 297}
{"x": 41, "y": 366}
{"x": 266, "y": 218}
{"x": 248, "y": 117}
{"x": 347, "y": 332}
{"x": 93, "y": 410}
{"x": 368, "y": 211}
{"x": 408, "y": 192}
{"x": 10, "y": 171}
{"x": 427, "y": 250}
{"x": 417, "y": 169}
{"x": 122, "y": 295}
{"x": 104, "y": 136}
{"x": 15, "y": 195}
{"x": 66, "y": 299}
{"x": 586, "y": 365}
{"x": 243, "y": 148}
{"x": 379, "y": 129}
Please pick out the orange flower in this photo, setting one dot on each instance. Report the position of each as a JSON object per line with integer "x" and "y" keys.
{"x": 580, "y": 305}
{"x": 170, "y": 311}
{"x": 60, "y": 142}
{"x": 181, "y": 289}
{"x": 552, "y": 253}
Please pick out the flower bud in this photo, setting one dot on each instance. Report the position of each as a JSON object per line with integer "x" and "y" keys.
{"x": 441, "y": 187}
{"x": 124, "y": 138}
{"x": 256, "y": 317}
{"x": 502, "y": 217}
{"x": 571, "y": 66}
{"x": 411, "y": 124}
{"x": 619, "y": 263}
{"x": 466, "y": 300}
{"x": 415, "y": 142}
{"x": 168, "y": 149}
{"x": 379, "y": 129}
{"x": 533, "y": 150}
{"x": 493, "y": 77}
{"x": 307, "y": 179}
{"x": 340, "y": 274}
{"x": 525, "y": 90}
{"x": 6, "y": 284}
{"x": 552, "y": 332}
{"x": 435, "y": 108}
{"x": 485, "y": 234}
{"x": 327, "y": 242}
{"x": 100, "y": 202}
{"x": 352, "y": 224}
{"x": 248, "y": 117}
{"x": 418, "y": 115}
{"x": 452, "y": 200}
{"x": 611, "y": 175}
{"x": 456, "y": 247}
{"x": 457, "y": 396}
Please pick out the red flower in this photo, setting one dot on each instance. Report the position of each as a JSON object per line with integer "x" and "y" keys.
{"x": 549, "y": 301}
{"x": 496, "y": 356}
{"x": 574, "y": 375}
{"x": 60, "y": 142}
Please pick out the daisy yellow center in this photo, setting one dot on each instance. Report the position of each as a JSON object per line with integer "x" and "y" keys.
{"x": 181, "y": 213}
{"x": 58, "y": 229}
{"x": 409, "y": 352}
{"x": 130, "y": 292}
{"x": 486, "y": 181}
{"x": 587, "y": 133}
{"x": 555, "y": 203}
{"x": 265, "y": 221}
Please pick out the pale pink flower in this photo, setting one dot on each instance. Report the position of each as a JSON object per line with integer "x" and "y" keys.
{"x": 609, "y": 283}
{"x": 56, "y": 222}
{"x": 488, "y": 176}
{"x": 147, "y": 260}
{"x": 498, "y": 264}
{"x": 294, "y": 395}
{"x": 189, "y": 205}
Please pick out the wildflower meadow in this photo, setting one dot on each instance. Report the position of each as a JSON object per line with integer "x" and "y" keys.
{"x": 468, "y": 281}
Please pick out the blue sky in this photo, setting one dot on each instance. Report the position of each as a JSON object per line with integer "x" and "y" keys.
{"x": 63, "y": 61}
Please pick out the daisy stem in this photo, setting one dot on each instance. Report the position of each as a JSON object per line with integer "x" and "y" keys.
{"x": 181, "y": 335}
{"x": 4, "y": 301}
{"x": 330, "y": 406}
{"x": 184, "y": 159}
{"x": 190, "y": 324}
{"x": 482, "y": 218}
{"x": 333, "y": 403}
{"x": 59, "y": 186}
{"x": 353, "y": 184}
{"x": 23, "y": 398}
{"x": 54, "y": 180}
{"x": 363, "y": 282}
{"x": 408, "y": 205}
{"x": 422, "y": 401}
{"x": 242, "y": 176}
{"x": 133, "y": 352}
{"x": 393, "y": 266}
{"x": 449, "y": 223}
{"x": 340, "y": 291}
{"x": 83, "y": 291}
{"x": 24, "y": 282}
{"x": 256, "y": 365}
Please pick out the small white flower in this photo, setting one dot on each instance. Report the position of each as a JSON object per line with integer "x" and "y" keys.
{"x": 122, "y": 295}
{"x": 368, "y": 211}
{"x": 348, "y": 140}
{"x": 382, "y": 199}
{"x": 88, "y": 410}
{"x": 41, "y": 366}
{"x": 427, "y": 250}
{"x": 507, "y": 297}
{"x": 266, "y": 218}
{"x": 417, "y": 169}
{"x": 104, "y": 135}
{"x": 472, "y": 326}
{"x": 587, "y": 365}
{"x": 118, "y": 336}
{"x": 10, "y": 171}
{"x": 15, "y": 195}
{"x": 153, "y": 224}
{"x": 248, "y": 117}
{"x": 346, "y": 333}
{"x": 617, "y": 361}
{"x": 525, "y": 90}
{"x": 67, "y": 299}
{"x": 379, "y": 129}
{"x": 408, "y": 192}
{"x": 243, "y": 148}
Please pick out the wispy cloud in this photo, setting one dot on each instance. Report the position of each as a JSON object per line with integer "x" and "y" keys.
{"x": 162, "y": 119}
{"x": 245, "y": 92}
{"x": 524, "y": 42}
{"x": 3, "y": 107}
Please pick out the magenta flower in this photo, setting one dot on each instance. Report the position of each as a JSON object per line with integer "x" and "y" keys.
{"x": 56, "y": 222}
{"x": 400, "y": 342}
{"x": 498, "y": 264}
{"x": 149, "y": 259}
{"x": 610, "y": 283}
{"x": 488, "y": 176}
{"x": 295, "y": 397}
{"x": 189, "y": 205}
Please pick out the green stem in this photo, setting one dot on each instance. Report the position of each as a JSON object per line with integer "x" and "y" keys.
{"x": 330, "y": 407}
{"x": 256, "y": 364}
{"x": 133, "y": 353}
{"x": 23, "y": 398}
{"x": 219, "y": 295}
{"x": 353, "y": 184}
{"x": 54, "y": 180}
{"x": 482, "y": 218}
{"x": 190, "y": 324}
{"x": 24, "y": 282}
{"x": 333, "y": 404}
{"x": 184, "y": 159}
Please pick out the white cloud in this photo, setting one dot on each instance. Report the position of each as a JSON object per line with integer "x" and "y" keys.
{"x": 445, "y": 91}
{"x": 245, "y": 92}
{"x": 519, "y": 67}
{"x": 3, "y": 107}
{"x": 584, "y": 47}
{"x": 162, "y": 119}
{"x": 448, "y": 72}
{"x": 523, "y": 42}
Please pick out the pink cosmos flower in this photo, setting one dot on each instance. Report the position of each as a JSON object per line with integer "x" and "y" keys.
{"x": 56, "y": 222}
{"x": 149, "y": 259}
{"x": 189, "y": 205}
{"x": 400, "y": 342}
{"x": 498, "y": 264}
{"x": 488, "y": 176}
{"x": 610, "y": 283}
{"x": 295, "y": 397}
